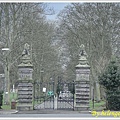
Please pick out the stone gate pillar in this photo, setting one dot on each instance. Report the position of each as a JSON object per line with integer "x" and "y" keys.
{"x": 82, "y": 82}
{"x": 25, "y": 86}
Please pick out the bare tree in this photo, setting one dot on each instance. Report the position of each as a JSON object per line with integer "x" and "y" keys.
{"x": 26, "y": 23}
{"x": 95, "y": 25}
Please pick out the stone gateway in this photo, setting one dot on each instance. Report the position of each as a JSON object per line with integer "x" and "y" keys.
{"x": 82, "y": 83}
{"x": 25, "y": 86}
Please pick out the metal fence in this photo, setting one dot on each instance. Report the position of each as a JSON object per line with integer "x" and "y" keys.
{"x": 44, "y": 95}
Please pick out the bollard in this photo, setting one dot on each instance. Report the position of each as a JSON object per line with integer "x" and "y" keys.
{"x": 1, "y": 100}
{"x": 13, "y": 104}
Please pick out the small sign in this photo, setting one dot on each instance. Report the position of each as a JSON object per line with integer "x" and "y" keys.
{"x": 50, "y": 93}
{"x": 44, "y": 89}
{"x": 2, "y": 75}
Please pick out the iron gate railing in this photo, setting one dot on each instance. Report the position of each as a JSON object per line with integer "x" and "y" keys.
{"x": 45, "y": 99}
{"x": 43, "y": 95}
{"x": 66, "y": 95}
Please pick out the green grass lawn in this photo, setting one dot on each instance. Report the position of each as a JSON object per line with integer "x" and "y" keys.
{"x": 6, "y": 107}
{"x": 97, "y": 105}
{"x": 12, "y": 96}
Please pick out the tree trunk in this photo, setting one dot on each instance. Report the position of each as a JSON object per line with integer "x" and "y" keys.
{"x": 97, "y": 85}
{"x": 7, "y": 86}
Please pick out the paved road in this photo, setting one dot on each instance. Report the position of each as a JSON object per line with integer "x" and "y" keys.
{"x": 60, "y": 116}
{"x": 46, "y": 115}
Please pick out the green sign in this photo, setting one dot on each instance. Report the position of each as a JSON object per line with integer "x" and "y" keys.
{"x": 50, "y": 93}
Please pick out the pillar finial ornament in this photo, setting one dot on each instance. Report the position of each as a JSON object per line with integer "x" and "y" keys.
{"x": 82, "y": 56}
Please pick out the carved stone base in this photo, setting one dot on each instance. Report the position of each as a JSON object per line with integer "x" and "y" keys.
{"x": 25, "y": 107}
{"x": 25, "y": 96}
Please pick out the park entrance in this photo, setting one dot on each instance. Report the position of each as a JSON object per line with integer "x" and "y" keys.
{"x": 50, "y": 96}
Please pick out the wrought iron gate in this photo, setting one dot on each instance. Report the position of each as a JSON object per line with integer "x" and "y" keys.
{"x": 43, "y": 95}
{"x": 66, "y": 92}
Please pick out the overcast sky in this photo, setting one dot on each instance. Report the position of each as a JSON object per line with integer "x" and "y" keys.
{"x": 57, "y": 8}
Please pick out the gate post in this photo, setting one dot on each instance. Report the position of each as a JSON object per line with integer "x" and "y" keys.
{"x": 82, "y": 82}
{"x": 25, "y": 86}
{"x": 55, "y": 102}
